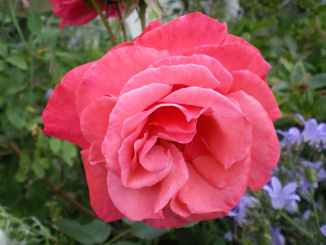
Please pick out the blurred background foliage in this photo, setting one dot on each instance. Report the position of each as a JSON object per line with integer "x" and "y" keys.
{"x": 43, "y": 192}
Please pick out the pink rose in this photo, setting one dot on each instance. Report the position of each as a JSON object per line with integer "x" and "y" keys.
{"x": 79, "y": 12}
{"x": 174, "y": 126}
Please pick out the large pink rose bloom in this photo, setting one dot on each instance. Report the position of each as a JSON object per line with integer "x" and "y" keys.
{"x": 174, "y": 126}
{"x": 79, "y": 12}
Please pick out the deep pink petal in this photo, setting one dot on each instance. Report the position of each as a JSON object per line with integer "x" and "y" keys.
{"x": 94, "y": 118}
{"x": 170, "y": 220}
{"x": 225, "y": 129}
{"x": 217, "y": 69}
{"x": 265, "y": 151}
{"x": 95, "y": 154}
{"x": 254, "y": 86}
{"x": 109, "y": 74}
{"x": 152, "y": 25}
{"x": 185, "y": 32}
{"x": 135, "y": 204}
{"x": 201, "y": 197}
{"x": 60, "y": 117}
{"x": 98, "y": 191}
{"x": 189, "y": 75}
{"x": 235, "y": 56}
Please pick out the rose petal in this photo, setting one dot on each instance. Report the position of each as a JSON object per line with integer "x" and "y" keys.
{"x": 254, "y": 86}
{"x": 60, "y": 118}
{"x": 174, "y": 181}
{"x": 98, "y": 192}
{"x": 170, "y": 220}
{"x": 235, "y": 56}
{"x": 179, "y": 34}
{"x": 217, "y": 69}
{"x": 109, "y": 74}
{"x": 226, "y": 130}
{"x": 265, "y": 147}
{"x": 213, "y": 172}
{"x": 128, "y": 104}
{"x": 135, "y": 204}
{"x": 201, "y": 197}
{"x": 95, "y": 118}
{"x": 189, "y": 75}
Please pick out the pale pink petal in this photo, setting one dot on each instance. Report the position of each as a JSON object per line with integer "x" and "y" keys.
{"x": 185, "y": 32}
{"x": 213, "y": 172}
{"x": 217, "y": 69}
{"x": 98, "y": 191}
{"x": 254, "y": 86}
{"x": 265, "y": 151}
{"x": 189, "y": 75}
{"x": 95, "y": 154}
{"x": 135, "y": 204}
{"x": 154, "y": 157}
{"x": 235, "y": 56}
{"x": 201, "y": 197}
{"x": 94, "y": 118}
{"x": 60, "y": 118}
{"x": 225, "y": 129}
{"x": 109, "y": 74}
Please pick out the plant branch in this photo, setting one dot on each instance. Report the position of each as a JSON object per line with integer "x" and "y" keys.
{"x": 122, "y": 21}
{"x": 142, "y": 14}
{"x": 68, "y": 198}
{"x": 105, "y": 22}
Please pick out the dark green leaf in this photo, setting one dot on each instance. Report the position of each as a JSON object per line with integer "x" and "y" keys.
{"x": 145, "y": 231}
{"x": 297, "y": 73}
{"x": 19, "y": 60}
{"x": 319, "y": 107}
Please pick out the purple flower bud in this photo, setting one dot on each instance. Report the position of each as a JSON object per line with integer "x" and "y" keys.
{"x": 277, "y": 237}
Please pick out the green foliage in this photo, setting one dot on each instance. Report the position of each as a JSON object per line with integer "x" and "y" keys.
{"x": 35, "y": 54}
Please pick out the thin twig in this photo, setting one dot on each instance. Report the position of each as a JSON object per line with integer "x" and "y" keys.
{"x": 142, "y": 14}
{"x": 122, "y": 21}
{"x": 105, "y": 22}
{"x": 68, "y": 198}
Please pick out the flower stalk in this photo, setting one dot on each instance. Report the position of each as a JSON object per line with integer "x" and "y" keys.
{"x": 122, "y": 21}
{"x": 142, "y": 14}
{"x": 105, "y": 22}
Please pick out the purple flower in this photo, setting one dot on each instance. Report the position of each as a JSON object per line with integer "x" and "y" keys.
{"x": 277, "y": 237}
{"x": 323, "y": 230}
{"x": 48, "y": 93}
{"x": 228, "y": 236}
{"x": 290, "y": 137}
{"x": 239, "y": 212}
{"x": 283, "y": 197}
{"x": 314, "y": 133}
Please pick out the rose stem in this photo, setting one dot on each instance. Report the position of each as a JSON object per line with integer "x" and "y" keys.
{"x": 122, "y": 21}
{"x": 105, "y": 22}
{"x": 142, "y": 13}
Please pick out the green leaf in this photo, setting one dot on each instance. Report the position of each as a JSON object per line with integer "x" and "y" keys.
{"x": 95, "y": 232}
{"x": 69, "y": 151}
{"x": 3, "y": 50}
{"x": 145, "y": 231}
{"x": 19, "y": 60}
{"x": 318, "y": 81}
{"x": 297, "y": 73}
{"x": 319, "y": 107}
{"x": 14, "y": 116}
{"x": 38, "y": 169}
{"x": 44, "y": 162}
{"x": 34, "y": 22}
{"x": 55, "y": 145}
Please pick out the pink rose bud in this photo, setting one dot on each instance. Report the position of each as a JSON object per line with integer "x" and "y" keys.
{"x": 174, "y": 126}
{"x": 80, "y": 12}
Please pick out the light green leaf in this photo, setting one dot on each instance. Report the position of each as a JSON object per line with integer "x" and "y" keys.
{"x": 69, "y": 151}
{"x": 95, "y": 232}
{"x": 297, "y": 73}
{"x": 55, "y": 145}
{"x": 318, "y": 81}
{"x": 38, "y": 169}
{"x": 34, "y": 22}
{"x": 15, "y": 117}
{"x": 145, "y": 231}
{"x": 19, "y": 60}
